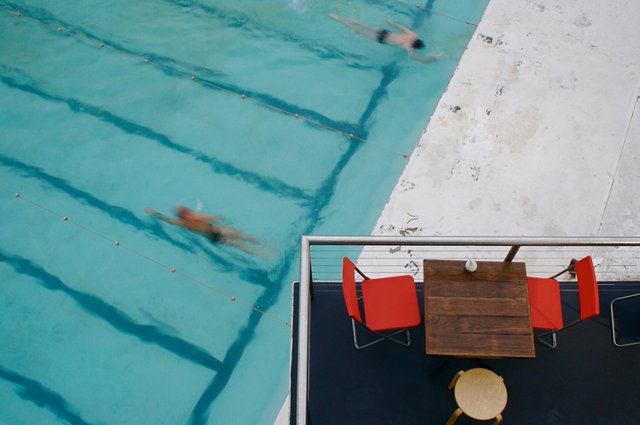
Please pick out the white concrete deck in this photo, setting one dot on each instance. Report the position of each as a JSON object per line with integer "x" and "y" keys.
{"x": 546, "y": 140}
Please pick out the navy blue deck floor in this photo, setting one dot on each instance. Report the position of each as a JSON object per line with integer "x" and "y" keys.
{"x": 586, "y": 380}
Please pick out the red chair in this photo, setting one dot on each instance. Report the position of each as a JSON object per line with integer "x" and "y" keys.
{"x": 390, "y": 304}
{"x": 546, "y": 306}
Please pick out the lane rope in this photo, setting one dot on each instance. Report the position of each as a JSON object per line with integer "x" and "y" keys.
{"x": 117, "y": 243}
{"x": 194, "y": 78}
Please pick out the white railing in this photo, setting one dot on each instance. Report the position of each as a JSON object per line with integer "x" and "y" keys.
{"x": 615, "y": 259}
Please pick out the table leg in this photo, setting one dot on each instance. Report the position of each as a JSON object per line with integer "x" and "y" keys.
{"x": 454, "y": 417}
{"x": 457, "y": 376}
{"x": 483, "y": 364}
{"x": 439, "y": 367}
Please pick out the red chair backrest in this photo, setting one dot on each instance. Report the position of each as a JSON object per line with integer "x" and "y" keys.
{"x": 587, "y": 288}
{"x": 349, "y": 289}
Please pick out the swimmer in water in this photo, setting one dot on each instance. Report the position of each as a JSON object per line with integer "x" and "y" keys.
{"x": 406, "y": 39}
{"x": 204, "y": 225}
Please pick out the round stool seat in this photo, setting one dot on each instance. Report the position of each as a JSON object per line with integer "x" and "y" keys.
{"x": 481, "y": 394}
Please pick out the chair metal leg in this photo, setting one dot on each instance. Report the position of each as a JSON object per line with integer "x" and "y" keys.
{"x": 407, "y": 336}
{"x": 382, "y": 337}
{"x": 454, "y": 416}
{"x": 498, "y": 420}
{"x": 553, "y": 343}
{"x": 613, "y": 322}
{"x": 355, "y": 338}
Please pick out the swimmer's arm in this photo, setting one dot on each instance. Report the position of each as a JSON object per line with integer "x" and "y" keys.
{"x": 425, "y": 59}
{"x": 336, "y": 17}
{"x": 163, "y": 217}
{"x": 400, "y": 27}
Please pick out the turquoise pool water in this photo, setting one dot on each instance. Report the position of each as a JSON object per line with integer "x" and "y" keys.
{"x": 237, "y": 108}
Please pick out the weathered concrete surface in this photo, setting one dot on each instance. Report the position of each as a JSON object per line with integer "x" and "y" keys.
{"x": 538, "y": 133}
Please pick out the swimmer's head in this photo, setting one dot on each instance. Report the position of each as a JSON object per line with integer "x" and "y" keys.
{"x": 182, "y": 211}
{"x": 418, "y": 44}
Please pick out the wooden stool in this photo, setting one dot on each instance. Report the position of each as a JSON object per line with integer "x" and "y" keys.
{"x": 480, "y": 394}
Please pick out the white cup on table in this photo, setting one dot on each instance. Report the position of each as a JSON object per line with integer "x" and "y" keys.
{"x": 471, "y": 265}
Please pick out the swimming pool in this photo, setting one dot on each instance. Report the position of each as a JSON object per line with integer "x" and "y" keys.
{"x": 267, "y": 113}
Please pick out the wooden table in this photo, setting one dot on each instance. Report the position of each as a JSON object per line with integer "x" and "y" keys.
{"x": 482, "y": 314}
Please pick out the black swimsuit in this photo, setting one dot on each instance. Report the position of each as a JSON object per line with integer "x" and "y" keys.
{"x": 381, "y": 36}
{"x": 214, "y": 236}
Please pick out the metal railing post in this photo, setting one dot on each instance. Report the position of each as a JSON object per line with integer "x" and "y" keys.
{"x": 512, "y": 253}
{"x": 310, "y": 276}
{"x": 303, "y": 332}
